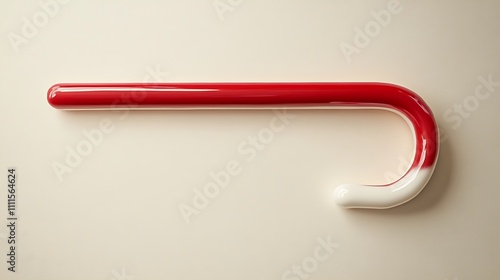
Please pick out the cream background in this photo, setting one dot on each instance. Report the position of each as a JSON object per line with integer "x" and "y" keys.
{"x": 116, "y": 215}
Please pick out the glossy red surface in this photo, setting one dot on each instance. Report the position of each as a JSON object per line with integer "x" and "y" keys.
{"x": 173, "y": 95}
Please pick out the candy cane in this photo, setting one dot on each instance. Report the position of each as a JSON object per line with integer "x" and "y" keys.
{"x": 265, "y": 95}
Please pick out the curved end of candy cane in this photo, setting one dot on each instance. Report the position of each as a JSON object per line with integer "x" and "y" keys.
{"x": 387, "y": 196}
{"x": 426, "y": 136}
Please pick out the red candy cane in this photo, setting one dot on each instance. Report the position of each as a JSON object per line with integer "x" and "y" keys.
{"x": 232, "y": 95}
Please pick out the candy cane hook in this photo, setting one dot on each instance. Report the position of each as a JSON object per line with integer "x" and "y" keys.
{"x": 230, "y": 95}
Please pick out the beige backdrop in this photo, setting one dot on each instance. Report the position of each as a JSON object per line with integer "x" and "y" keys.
{"x": 107, "y": 195}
